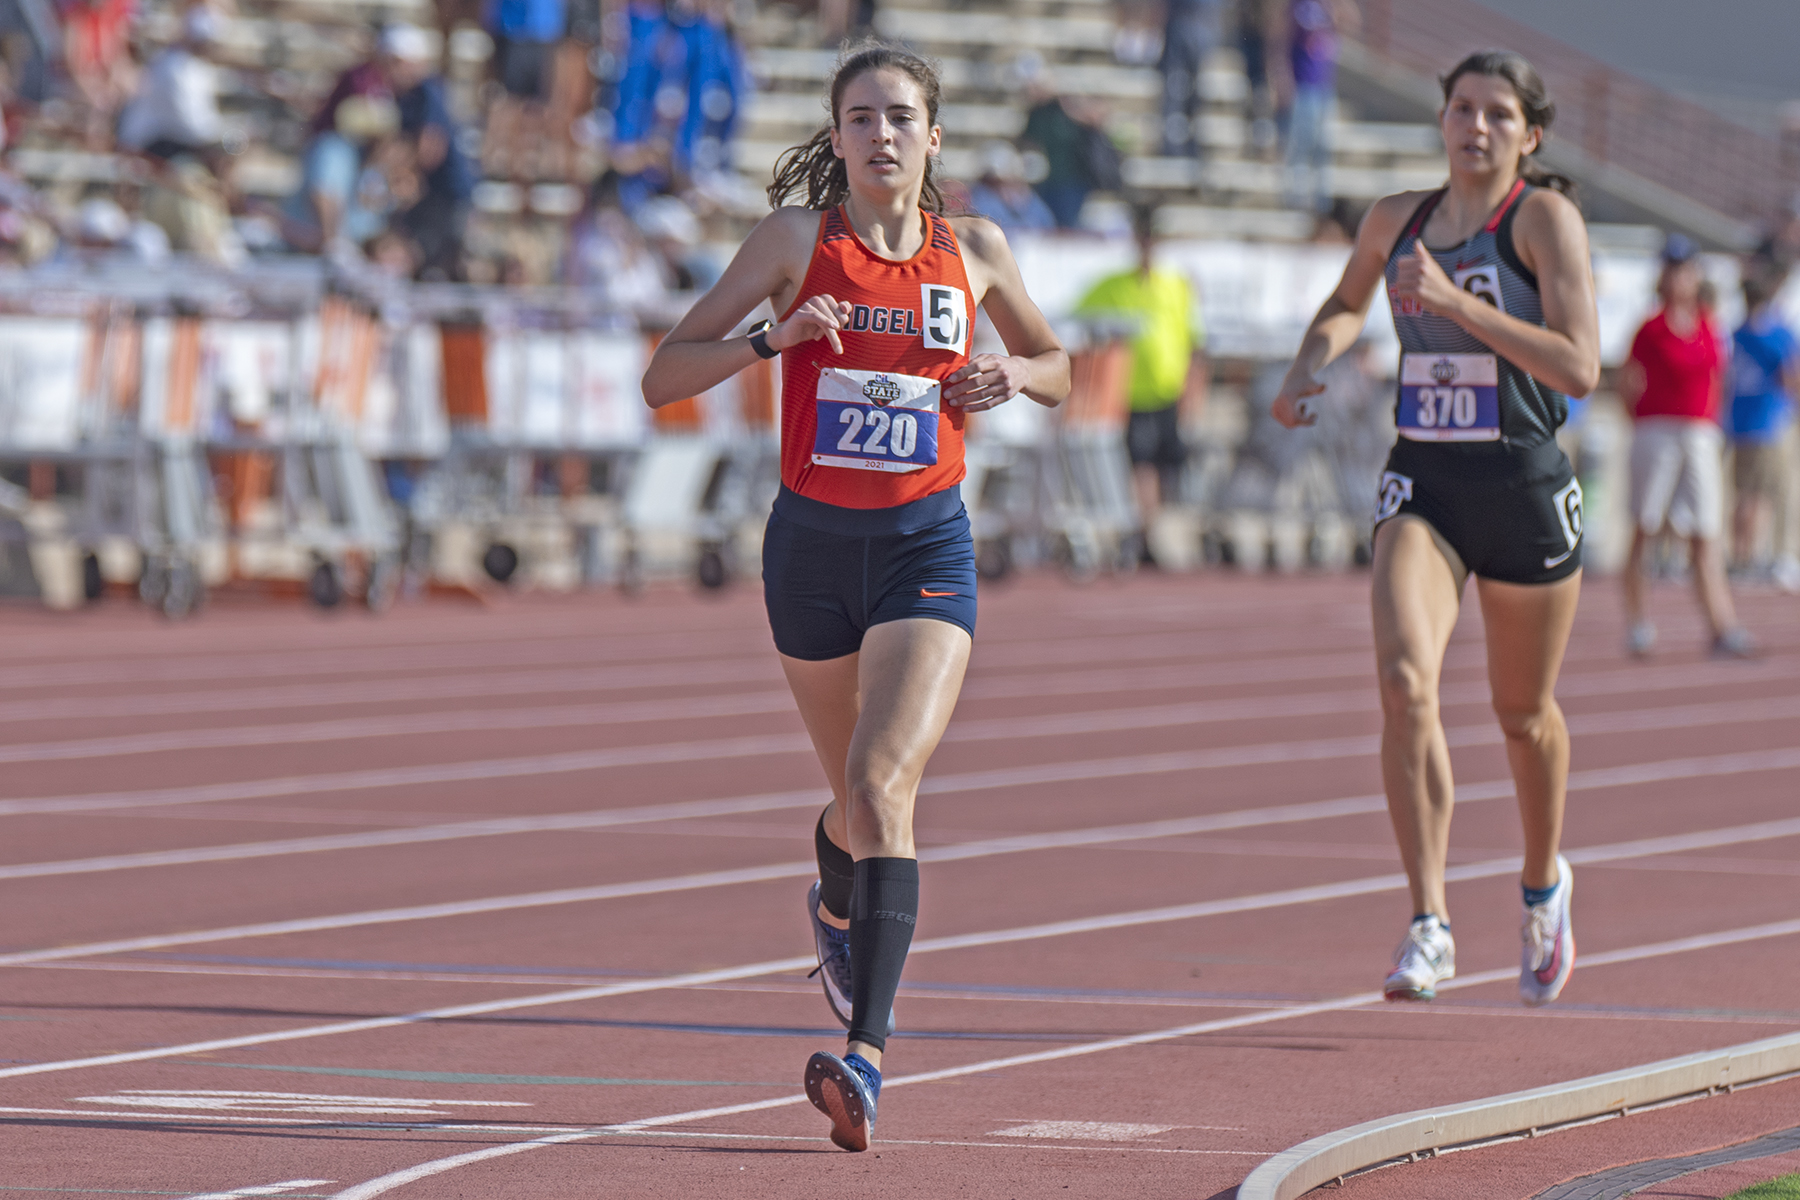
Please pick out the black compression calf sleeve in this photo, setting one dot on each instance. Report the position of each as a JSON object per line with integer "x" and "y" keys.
{"x": 882, "y": 916}
{"x": 837, "y": 874}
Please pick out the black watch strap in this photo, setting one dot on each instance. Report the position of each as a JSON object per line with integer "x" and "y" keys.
{"x": 759, "y": 340}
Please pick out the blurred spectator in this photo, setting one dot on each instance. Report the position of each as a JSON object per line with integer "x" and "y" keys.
{"x": 359, "y": 170}
{"x": 176, "y": 108}
{"x": 1672, "y": 386}
{"x": 1079, "y": 157}
{"x": 97, "y": 56}
{"x": 1316, "y": 29}
{"x": 438, "y": 219}
{"x": 1255, "y": 18}
{"x": 610, "y": 257}
{"x": 1003, "y": 196}
{"x": 680, "y": 97}
{"x": 1138, "y": 39}
{"x": 1190, "y": 34}
{"x": 1765, "y": 377}
{"x": 718, "y": 85}
{"x": 343, "y": 202}
{"x": 674, "y": 233}
{"x": 187, "y": 201}
{"x": 26, "y": 234}
{"x": 29, "y": 42}
{"x": 526, "y": 34}
{"x": 1168, "y": 366}
{"x": 101, "y": 225}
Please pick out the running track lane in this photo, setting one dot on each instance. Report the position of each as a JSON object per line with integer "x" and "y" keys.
{"x": 1185, "y": 1116}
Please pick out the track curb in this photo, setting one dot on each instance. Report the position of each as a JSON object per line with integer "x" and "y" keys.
{"x": 1298, "y": 1170}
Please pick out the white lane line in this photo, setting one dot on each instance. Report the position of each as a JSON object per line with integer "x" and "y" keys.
{"x": 643, "y": 649}
{"x": 1304, "y": 750}
{"x": 387, "y": 1183}
{"x": 1631, "y": 721}
{"x": 356, "y": 728}
{"x": 1761, "y": 831}
{"x": 384, "y": 777}
{"x": 766, "y": 702}
{"x": 1719, "y": 765}
{"x": 267, "y": 1189}
{"x": 194, "y": 667}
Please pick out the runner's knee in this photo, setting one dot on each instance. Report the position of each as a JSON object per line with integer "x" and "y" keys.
{"x": 1409, "y": 689}
{"x": 1531, "y": 723}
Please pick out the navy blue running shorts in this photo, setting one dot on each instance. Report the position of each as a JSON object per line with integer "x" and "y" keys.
{"x": 830, "y": 573}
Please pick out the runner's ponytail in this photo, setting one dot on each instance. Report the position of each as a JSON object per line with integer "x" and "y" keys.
{"x": 813, "y": 176}
{"x": 1534, "y": 102}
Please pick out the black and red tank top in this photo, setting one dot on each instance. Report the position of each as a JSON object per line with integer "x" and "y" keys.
{"x": 1441, "y": 353}
{"x": 867, "y": 428}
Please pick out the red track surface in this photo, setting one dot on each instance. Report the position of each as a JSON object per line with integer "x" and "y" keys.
{"x": 137, "y": 754}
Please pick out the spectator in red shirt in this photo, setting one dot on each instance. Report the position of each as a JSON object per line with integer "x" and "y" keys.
{"x": 1673, "y": 386}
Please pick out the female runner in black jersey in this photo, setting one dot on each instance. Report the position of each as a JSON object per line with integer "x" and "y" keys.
{"x": 1493, "y": 300}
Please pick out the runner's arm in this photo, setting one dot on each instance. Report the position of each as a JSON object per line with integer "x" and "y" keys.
{"x": 693, "y": 358}
{"x": 1340, "y": 319}
{"x": 1037, "y": 364}
{"x": 1564, "y": 352}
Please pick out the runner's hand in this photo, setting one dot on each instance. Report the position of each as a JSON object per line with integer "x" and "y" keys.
{"x": 984, "y": 381}
{"x": 820, "y": 317}
{"x": 1288, "y": 408}
{"x": 1417, "y": 277}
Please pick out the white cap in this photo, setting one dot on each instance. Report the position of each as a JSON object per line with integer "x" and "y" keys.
{"x": 409, "y": 43}
{"x": 102, "y": 220}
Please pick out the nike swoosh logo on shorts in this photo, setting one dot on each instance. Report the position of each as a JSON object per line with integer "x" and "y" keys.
{"x": 1559, "y": 560}
{"x": 934, "y": 595}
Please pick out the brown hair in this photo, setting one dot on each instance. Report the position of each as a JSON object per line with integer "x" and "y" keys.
{"x": 1534, "y": 101}
{"x": 817, "y": 178}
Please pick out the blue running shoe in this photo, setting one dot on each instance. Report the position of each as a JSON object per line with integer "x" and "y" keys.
{"x": 833, "y": 947}
{"x": 845, "y": 1089}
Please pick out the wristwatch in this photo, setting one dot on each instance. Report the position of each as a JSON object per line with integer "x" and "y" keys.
{"x": 759, "y": 339}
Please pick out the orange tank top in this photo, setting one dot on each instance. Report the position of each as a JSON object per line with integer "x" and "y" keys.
{"x": 866, "y": 429}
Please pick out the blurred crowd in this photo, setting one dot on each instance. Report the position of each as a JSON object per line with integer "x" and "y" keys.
{"x": 499, "y": 141}
{"x": 529, "y": 141}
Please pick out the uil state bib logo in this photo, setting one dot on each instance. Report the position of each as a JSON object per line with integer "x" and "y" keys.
{"x": 1444, "y": 371}
{"x": 881, "y": 391}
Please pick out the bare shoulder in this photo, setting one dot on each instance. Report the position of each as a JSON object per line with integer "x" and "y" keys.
{"x": 1389, "y": 215}
{"x": 981, "y": 238}
{"x": 788, "y": 226}
{"x": 1547, "y": 211}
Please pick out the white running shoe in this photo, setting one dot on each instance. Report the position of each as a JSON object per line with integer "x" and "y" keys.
{"x": 1548, "y": 953}
{"x": 1426, "y": 957}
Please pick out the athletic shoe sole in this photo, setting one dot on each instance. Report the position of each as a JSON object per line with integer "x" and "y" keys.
{"x": 840, "y": 1094}
{"x": 1409, "y": 993}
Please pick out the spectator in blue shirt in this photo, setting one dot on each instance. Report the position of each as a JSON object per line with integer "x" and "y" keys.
{"x": 526, "y": 34}
{"x": 717, "y": 85}
{"x": 1004, "y": 197}
{"x": 1765, "y": 373}
{"x": 437, "y": 219}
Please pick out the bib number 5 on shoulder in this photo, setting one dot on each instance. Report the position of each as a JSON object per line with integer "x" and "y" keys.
{"x": 946, "y": 317}
{"x": 876, "y": 421}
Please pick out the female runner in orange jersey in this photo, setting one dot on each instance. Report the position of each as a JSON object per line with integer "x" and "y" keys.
{"x": 868, "y": 563}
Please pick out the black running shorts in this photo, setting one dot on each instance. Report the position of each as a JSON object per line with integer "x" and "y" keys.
{"x": 1513, "y": 514}
{"x": 831, "y": 573}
